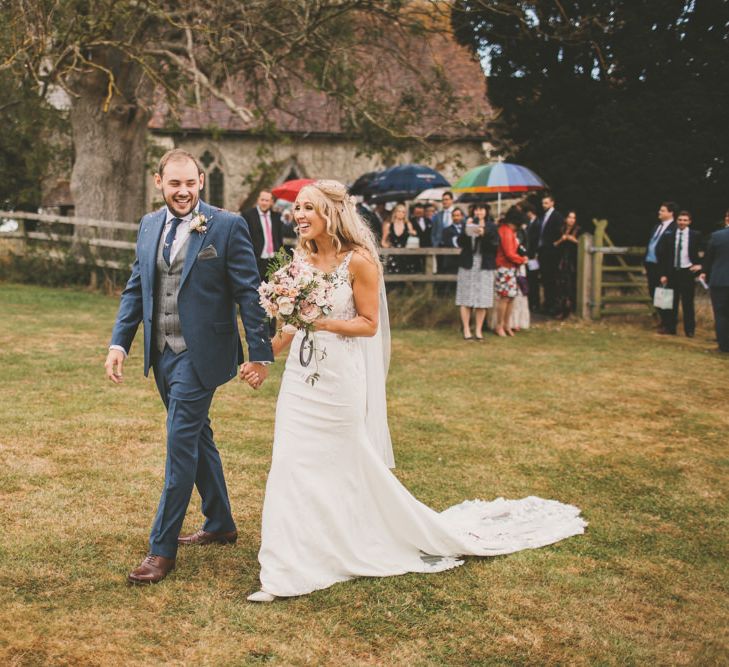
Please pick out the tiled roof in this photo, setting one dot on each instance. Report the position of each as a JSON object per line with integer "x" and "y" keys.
{"x": 308, "y": 111}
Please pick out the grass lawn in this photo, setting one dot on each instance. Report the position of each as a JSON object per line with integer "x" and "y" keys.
{"x": 631, "y": 427}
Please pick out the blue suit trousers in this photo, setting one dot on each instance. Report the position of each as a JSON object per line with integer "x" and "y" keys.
{"x": 192, "y": 457}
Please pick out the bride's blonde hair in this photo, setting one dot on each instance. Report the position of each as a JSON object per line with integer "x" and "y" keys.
{"x": 339, "y": 210}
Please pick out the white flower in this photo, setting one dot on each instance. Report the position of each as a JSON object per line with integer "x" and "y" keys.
{"x": 285, "y": 306}
{"x": 199, "y": 224}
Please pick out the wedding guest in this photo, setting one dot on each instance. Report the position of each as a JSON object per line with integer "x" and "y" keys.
{"x": 288, "y": 229}
{"x": 716, "y": 263}
{"x": 567, "y": 268}
{"x": 532, "y": 234}
{"x": 449, "y": 239}
{"x": 666, "y": 212}
{"x": 520, "y": 317}
{"x": 508, "y": 260}
{"x": 478, "y": 240}
{"x": 547, "y": 254}
{"x": 442, "y": 219}
{"x": 429, "y": 215}
{"x": 371, "y": 218}
{"x": 266, "y": 231}
{"x": 395, "y": 234}
{"x": 679, "y": 264}
{"x": 422, "y": 226}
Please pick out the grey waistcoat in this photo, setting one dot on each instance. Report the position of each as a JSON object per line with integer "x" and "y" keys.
{"x": 167, "y": 329}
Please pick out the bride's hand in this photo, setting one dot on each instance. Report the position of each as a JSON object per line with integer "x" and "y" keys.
{"x": 322, "y": 324}
{"x": 253, "y": 373}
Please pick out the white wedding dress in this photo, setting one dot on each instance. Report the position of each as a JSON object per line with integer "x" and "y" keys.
{"x": 333, "y": 510}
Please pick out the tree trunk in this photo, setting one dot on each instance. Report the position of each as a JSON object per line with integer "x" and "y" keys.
{"x": 109, "y": 171}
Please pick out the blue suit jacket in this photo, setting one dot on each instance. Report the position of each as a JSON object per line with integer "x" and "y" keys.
{"x": 436, "y": 232}
{"x": 210, "y": 290}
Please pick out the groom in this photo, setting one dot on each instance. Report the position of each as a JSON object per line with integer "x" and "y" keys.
{"x": 194, "y": 264}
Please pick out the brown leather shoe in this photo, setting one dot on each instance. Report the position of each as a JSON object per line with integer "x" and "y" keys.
{"x": 202, "y": 537}
{"x": 152, "y": 570}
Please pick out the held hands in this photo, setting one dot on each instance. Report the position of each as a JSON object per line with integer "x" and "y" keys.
{"x": 253, "y": 373}
{"x": 114, "y": 365}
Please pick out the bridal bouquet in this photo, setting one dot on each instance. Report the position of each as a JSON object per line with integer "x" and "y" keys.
{"x": 297, "y": 295}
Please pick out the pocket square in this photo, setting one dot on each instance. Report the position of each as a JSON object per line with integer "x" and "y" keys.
{"x": 208, "y": 252}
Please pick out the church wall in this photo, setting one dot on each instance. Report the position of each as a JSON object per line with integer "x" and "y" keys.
{"x": 311, "y": 157}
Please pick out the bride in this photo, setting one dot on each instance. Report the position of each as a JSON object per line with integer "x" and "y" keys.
{"x": 332, "y": 509}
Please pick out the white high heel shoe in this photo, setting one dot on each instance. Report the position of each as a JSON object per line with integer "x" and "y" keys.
{"x": 261, "y": 596}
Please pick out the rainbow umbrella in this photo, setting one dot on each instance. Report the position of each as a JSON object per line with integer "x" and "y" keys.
{"x": 499, "y": 178}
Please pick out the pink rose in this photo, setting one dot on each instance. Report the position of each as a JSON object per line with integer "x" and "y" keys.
{"x": 309, "y": 312}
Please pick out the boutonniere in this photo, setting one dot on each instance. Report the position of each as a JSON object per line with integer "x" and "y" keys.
{"x": 199, "y": 224}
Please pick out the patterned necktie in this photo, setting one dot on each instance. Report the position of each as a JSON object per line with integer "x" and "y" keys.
{"x": 169, "y": 239}
{"x": 269, "y": 234}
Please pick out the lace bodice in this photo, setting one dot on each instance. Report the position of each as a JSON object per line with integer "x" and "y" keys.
{"x": 343, "y": 296}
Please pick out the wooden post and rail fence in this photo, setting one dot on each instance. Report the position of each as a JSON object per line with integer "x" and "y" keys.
{"x": 610, "y": 279}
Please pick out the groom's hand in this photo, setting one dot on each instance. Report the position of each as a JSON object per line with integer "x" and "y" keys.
{"x": 253, "y": 373}
{"x": 114, "y": 366}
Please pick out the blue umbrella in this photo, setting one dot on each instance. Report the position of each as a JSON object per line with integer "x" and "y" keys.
{"x": 405, "y": 181}
{"x": 362, "y": 184}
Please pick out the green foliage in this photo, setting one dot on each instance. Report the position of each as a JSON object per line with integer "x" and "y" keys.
{"x": 278, "y": 261}
{"x": 37, "y": 268}
{"x": 423, "y": 306}
{"x": 65, "y": 264}
{"x": 28, "y": 150}
{"x": 617, "y": 104}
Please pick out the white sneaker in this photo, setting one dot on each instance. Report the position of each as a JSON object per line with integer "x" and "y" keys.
{"x": 261, "y": 596}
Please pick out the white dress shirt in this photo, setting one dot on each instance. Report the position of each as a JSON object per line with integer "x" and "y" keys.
{"x": 684, "y": 262}
{"x": 267, "y": 232}
{"x": 183, "y": 231}
{"x": 447, "y": 216}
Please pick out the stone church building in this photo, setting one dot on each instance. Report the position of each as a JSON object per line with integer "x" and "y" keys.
{"x": 312, "y": 142}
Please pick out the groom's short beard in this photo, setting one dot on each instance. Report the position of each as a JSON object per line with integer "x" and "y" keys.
{"x": 173, "y": 206}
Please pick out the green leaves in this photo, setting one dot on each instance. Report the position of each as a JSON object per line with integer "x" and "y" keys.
{"x": 615, "y": 103}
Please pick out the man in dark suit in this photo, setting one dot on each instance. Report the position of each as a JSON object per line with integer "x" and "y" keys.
{"x": 449, "y": 239}
{"x": 422, "y": 226}
{"x": 532, "y": 234}
{"x": 442, "y": 219}
{"x": 666, "y": 213}
{"x": 194, "y": 270}
{"x": 266, "y": 230}
{"x": 549, "y": 231}
{"x": 679, "y": 264}
{"x": 716, "y": 265}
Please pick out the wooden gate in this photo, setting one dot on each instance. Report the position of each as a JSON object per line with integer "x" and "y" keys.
{"x": 610, "y": 279}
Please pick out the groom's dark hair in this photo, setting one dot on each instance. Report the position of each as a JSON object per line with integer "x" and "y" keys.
{"x": 177, "y": 154}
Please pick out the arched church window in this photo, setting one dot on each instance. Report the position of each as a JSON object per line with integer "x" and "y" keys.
{"x": 214, "y": 180}
{"x": 216, "y": 183}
